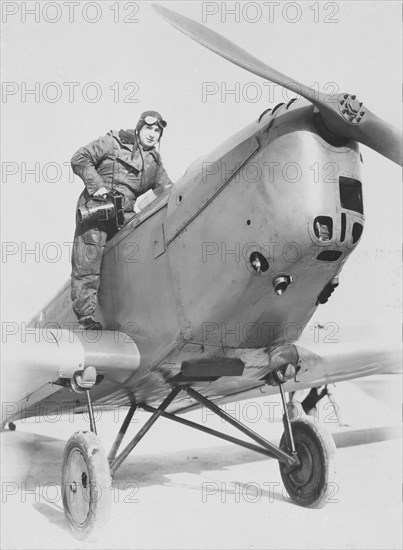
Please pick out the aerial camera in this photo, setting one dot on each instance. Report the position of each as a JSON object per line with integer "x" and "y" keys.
{"x": 108, "y": 208}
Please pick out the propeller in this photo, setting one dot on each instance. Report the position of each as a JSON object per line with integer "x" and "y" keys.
{"x": 342, "y": 114}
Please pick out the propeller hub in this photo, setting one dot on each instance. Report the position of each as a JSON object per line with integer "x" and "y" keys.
{"x": 350, "y": 108}
{"x": 353, "y": 104}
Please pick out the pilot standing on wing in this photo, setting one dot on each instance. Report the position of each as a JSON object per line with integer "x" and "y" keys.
{"x": 125, "y": 161}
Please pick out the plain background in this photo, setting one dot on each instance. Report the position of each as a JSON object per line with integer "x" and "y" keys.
{"x": 352, "y": 46}
{"x": 336, "y": 46}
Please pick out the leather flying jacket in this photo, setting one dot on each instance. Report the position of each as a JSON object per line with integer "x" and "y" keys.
{"x": 117, "y": 161}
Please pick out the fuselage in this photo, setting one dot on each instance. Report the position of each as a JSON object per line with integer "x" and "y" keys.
{"x": 237, "y": 255}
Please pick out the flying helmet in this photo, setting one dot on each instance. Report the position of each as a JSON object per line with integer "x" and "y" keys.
{"x": 151, "y": 117}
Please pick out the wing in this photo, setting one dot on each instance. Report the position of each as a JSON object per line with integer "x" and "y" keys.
{"x": 39, "y": 369}
{"x": 343, "y": 355}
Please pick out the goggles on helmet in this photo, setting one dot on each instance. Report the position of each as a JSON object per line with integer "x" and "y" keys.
{"x": 150, "y": 120}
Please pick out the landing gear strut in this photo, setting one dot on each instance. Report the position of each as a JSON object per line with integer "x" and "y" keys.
{"x": 305, "y": 453}
{"x": 86, "y": 477}
{"x": 308, "y": 482}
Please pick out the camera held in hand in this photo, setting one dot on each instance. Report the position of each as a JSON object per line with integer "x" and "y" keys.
{"x": 108, "y": 208}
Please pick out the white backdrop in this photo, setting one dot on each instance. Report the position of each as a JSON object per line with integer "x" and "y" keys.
{"x": 71, "y": 71}
{"x": 96, "y": 66}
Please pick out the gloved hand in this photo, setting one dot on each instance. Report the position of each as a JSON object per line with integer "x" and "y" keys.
{"x": 101, "y": 192}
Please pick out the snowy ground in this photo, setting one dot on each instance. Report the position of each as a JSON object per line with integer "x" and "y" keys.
{"x": 184, "y": 489}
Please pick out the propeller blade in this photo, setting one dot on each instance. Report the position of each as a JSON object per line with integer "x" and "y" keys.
{"x": 230, "y": 51}
{"x": 345, "y": 117}
{"x": 342, "y": 114}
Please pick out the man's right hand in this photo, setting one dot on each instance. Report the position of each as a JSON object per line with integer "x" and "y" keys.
{"x": 101, "y": 192}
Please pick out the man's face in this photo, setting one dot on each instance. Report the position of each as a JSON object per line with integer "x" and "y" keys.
{"x": 149, "y": 135}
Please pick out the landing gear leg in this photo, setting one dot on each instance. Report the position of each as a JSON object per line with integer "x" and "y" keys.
{"x": 86, "y": 477}
{"x": 308, "y": 483}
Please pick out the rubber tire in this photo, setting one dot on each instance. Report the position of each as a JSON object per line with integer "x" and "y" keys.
{"x": 309, "y": 483}
{"x": 86, "y": 485}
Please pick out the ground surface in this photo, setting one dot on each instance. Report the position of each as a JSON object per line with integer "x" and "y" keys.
{"x": 184, "y": 489}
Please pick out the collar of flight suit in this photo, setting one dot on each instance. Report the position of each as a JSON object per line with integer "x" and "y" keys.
{"x": 126, "y": 139}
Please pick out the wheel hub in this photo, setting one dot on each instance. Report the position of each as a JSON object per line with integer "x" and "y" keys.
{"x": 78, "y": 494}
{"x": 302, "y": 473}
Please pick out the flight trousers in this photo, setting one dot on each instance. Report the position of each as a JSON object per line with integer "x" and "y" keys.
{"x": 88, "y": 249}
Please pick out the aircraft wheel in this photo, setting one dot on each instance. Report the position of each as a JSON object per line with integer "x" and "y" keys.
{"x": 12, "y": 426}
{"x": 310, "y": 483}
{"x": 86, "y": 485}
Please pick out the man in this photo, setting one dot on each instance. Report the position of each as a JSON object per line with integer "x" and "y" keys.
{"x": 126, "y": 161}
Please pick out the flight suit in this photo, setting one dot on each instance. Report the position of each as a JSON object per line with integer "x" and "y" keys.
{"x": 112, "y": 161}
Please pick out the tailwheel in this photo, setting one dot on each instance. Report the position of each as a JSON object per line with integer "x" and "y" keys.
{"x": 309, "y": 483}
{"x": 86, "y": 485}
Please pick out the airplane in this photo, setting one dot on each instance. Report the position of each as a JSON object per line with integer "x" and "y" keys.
{"x": 187, "y": 324}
